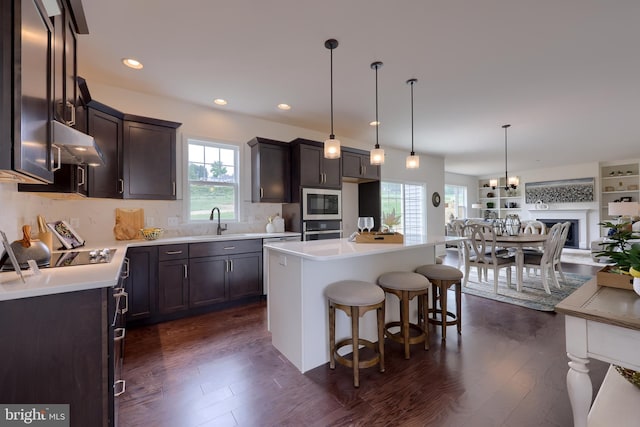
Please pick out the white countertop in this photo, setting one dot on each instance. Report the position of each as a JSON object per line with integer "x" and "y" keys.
{"x": 82, "y": 277}
{"x": 326, "y": 250}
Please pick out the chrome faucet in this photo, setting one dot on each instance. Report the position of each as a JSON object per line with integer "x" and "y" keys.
{"x": 220, "y": 228}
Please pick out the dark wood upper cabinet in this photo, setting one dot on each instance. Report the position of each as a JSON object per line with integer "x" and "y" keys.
{"x": 106, "y": 128}
{"x": 357, "y": 167}
{"x": 311, "y": 169}
{"x": 149, "y": 159}
{"x": 139, "y": 152}
{"x": 270, "y": 171}
{"x": 26, "y": 88}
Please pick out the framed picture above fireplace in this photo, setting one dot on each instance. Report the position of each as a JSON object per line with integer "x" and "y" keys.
{"x": 560, "y": 191}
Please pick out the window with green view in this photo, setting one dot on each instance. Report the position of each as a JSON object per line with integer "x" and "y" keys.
{"x": 213, "y": 179}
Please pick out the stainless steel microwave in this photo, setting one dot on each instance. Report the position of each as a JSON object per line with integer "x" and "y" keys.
{"x": 319, "y": 204}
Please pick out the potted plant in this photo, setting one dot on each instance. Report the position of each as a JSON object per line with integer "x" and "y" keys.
{"x": 390, "y": 219}
{"x": 624, "y": 255}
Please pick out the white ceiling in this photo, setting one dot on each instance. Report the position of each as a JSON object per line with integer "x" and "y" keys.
{"x": 564, "y": 73}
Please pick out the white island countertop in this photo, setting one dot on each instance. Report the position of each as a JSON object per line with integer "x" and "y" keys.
{"x": 326, "y": 250}
{"x": 82, "y": 277}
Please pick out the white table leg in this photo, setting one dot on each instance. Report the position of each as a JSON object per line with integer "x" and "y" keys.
{"x": 579, "y": 387}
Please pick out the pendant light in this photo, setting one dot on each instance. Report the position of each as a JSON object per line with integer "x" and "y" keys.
{"x": 331, "y": 145}
{"x": 513, "y": 181}
{"x": 413, "y": 161}
{"x": 377, "y": 154}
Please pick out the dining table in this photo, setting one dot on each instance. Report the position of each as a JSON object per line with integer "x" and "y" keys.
{"x": 519, "y": 242}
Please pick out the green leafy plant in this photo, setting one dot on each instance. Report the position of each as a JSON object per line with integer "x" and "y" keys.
{"x": 618, "y": 249}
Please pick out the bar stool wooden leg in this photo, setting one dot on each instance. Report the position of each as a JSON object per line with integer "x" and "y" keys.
{"x": 443, "y": 308}
{"x": 404, "y": 315}
{"x": 355, "y": 327}
{"x": 381, "y": 313}
{"x": 332, "y": 335}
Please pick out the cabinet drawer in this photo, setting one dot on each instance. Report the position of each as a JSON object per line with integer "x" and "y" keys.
{"x": 179, "y": 251}
{"x": 224, "y": 248}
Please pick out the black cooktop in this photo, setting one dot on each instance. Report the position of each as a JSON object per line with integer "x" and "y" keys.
{"x": 71, "y": 258}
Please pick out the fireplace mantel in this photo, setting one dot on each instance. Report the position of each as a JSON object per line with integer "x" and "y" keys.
{"x": 582, "y": 215}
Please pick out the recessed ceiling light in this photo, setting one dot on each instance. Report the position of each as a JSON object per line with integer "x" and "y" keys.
{"x": 220, "y": 101}
{"x": 80, "y": 148}
{"x": 374, "y": 123}
{"x": 284, "y": 106}
{"x": 132, "y": 63}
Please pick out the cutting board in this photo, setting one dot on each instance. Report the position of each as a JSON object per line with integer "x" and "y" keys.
{"x": 128, "y": 224}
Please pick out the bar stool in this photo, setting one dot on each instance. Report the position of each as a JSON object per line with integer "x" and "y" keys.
{"x": 443, "y": 277}
{"x": 407, "y": 285}
{"x": 355, "y": 298}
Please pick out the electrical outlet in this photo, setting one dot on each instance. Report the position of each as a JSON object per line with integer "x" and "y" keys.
{"x": 172, "y": 221}
{"x": 74, "y": 222}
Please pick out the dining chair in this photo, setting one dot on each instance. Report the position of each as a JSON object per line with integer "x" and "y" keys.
{"x": 549, "y": 260}
{"x": 533, "y": 227}
{"x": 480, "y": 251}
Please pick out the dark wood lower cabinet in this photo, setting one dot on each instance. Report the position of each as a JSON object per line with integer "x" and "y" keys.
{"x": 173, "y": 285}
{"x": 207, "y": 281}
{"x": 245, "y": 275}
{"x": 59, "y": 349}
{"x": 166, "y": 282}
{"x": 141, "y": 282}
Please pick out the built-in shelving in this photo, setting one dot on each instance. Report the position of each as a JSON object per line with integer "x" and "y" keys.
{"x": 618, "y": 182}
{"x": 496, "y": 201}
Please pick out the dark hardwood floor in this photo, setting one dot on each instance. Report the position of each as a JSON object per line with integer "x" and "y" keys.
{"x": 507, "y": 368}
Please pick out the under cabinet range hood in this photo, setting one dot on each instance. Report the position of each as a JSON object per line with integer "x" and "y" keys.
{"x": 75, "y": 147}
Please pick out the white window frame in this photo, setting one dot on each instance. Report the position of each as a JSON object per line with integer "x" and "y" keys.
{"x": 420, "y": 229}
{"x": 235, "y": 185}
{"x": 462, "y": 211}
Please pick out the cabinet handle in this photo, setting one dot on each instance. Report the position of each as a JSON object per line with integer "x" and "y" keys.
{"x": 228, "y": 248}
{"x": 122, "y": 293}
{"x": 118, "y": 334}
{"x": 186, "y": 274}
{"x": 261, "y": 192}
{"x": 122, "y": 384}
{"x": 230, "y": 265}
{"x": 174, "y": 188}
{"x": 59, "y": 157}
{"x": 72, "y": 108}
{"x": 364, "y": 169}
{"x": 173, "y": 252}
{"x": 121, "y": 182}
{"x": 81, "y": 176}
{"x": 125, "y": 273}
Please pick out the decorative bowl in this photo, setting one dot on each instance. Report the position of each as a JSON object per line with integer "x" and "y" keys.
{"x": 151, "y": 233}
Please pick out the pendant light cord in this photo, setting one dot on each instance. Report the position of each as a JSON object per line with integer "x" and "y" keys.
{"x": 412, "y": 152}
{"x": 332, "y": 136}
{"x": 506, "y": 170}
{"x": 377, "y": 121}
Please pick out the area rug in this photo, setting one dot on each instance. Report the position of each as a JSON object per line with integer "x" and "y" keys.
{"x": 579, "y": 256}
{"x": 532, "y": 296}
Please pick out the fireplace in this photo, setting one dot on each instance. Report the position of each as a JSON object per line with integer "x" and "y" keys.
{"x": 573, "y": 238}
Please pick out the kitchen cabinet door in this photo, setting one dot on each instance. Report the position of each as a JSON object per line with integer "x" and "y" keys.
{"x": 173, "y": 286}
{"x": 357, "y": 164}
{"x": 311, "y": 169}
{"x": 141, "y": 283}
{"x": 106, "y": 128}
{"x": 25, "y": 79}
{"x": 149, "y": 161}
{"x": 270, "y": 171}
{"x": 207, "y": 280}
{"x": 245, "y": 275}
{"x": 64, "y": 67}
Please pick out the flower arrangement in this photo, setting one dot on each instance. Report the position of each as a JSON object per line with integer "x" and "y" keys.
{"x": 390, "y": 219}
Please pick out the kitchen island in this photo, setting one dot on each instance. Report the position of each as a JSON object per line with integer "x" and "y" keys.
{"x": 300, "y": 271}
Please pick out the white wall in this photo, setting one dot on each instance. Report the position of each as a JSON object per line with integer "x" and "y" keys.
{"x": 97, "y": 216}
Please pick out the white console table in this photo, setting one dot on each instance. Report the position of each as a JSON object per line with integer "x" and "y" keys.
{"x": 602, "y": 323}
